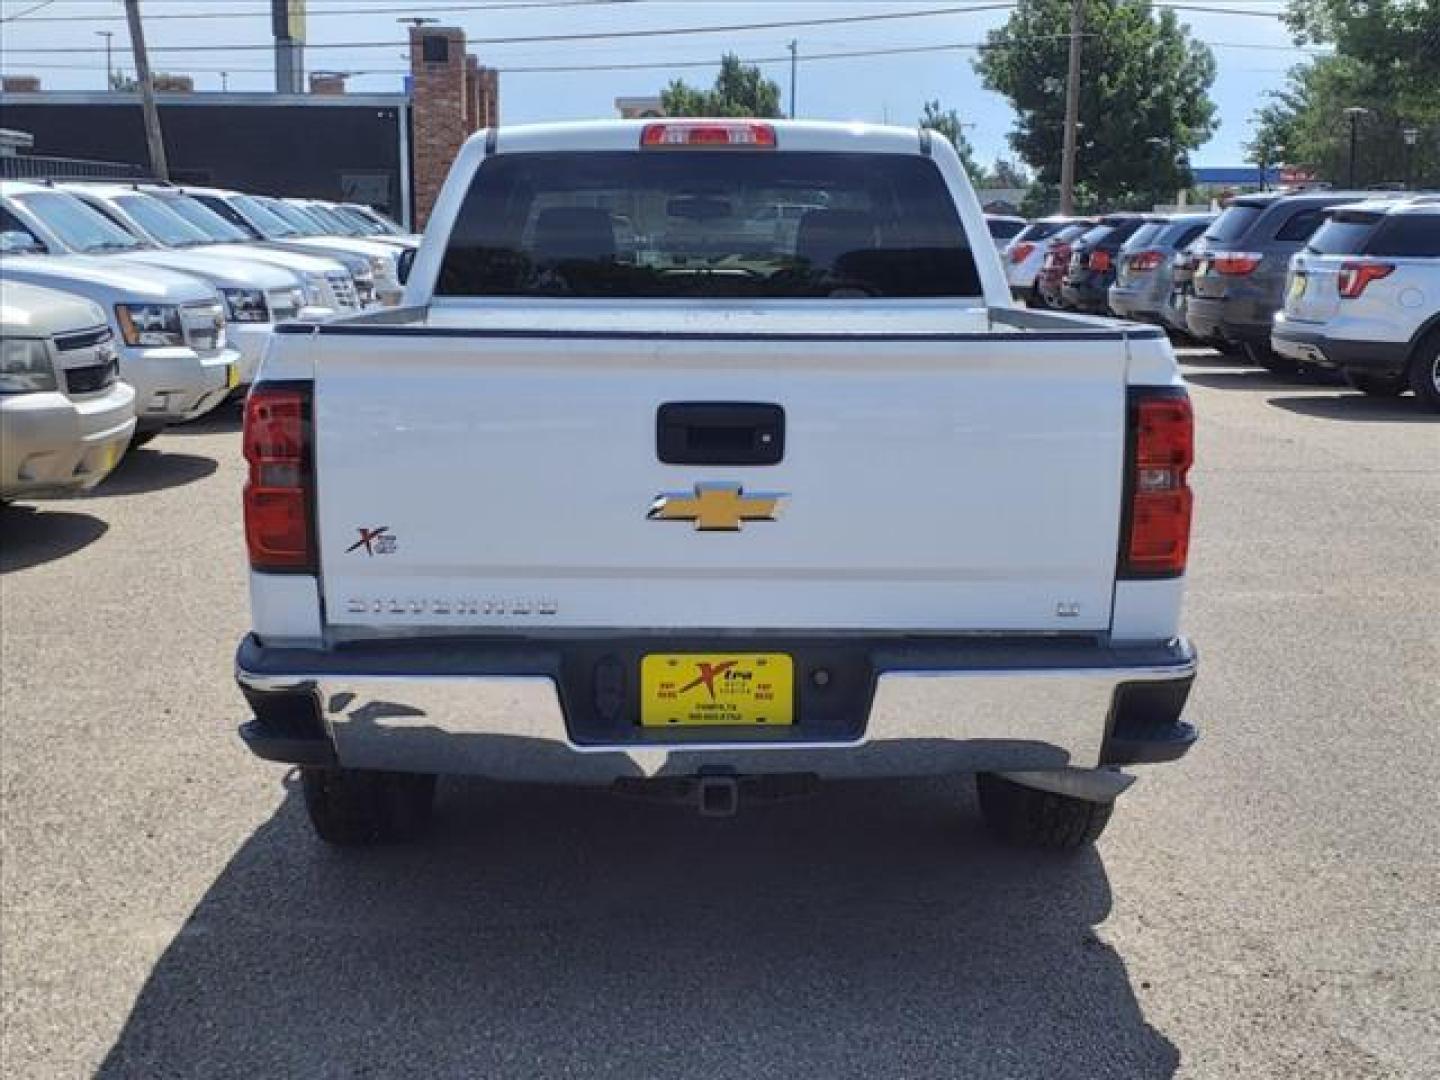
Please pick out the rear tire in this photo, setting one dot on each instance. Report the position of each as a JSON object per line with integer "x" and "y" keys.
{"x": 1377, "y": 385}
{"x": 1425, "y": 372}
{"x": 354, "y": 807}
{"x": 1030, "y": 818}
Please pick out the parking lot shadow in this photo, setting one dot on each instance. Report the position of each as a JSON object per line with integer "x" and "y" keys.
{"x": 1242, "y": 378}
{"x": 221, "y": 420}
{"x": 146, "y": 470}
{"x": 1359, "y": 408}
{"x": 30, "y": 536}
{"x": 871, "y": 931}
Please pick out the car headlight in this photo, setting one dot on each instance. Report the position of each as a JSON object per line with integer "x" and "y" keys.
{"x": 246, "y": 305}
{"x": 150, "y": 324}
{"x": 25, "y": 366}
{"x": 315, "y": 289}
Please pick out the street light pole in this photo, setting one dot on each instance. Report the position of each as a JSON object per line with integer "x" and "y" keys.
{"x": 109, "y": 66}
{"x": 1411, "y": 136}
{"x": 794, "y": 56}
{"x": 1354, "y": 113}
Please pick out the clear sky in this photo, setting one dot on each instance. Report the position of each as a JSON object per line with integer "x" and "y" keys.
{"x": 1253, "y": 52}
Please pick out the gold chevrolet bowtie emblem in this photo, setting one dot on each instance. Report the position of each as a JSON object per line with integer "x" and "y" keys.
{"x": 717, "y": 507}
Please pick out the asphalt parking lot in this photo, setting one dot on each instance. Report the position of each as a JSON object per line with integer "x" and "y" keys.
{"x": 1265, "y": 909}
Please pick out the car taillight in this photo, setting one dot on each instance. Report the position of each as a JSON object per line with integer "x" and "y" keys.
{"x": 1099, "y": 261}
{"x": 707, "y": 134}
{"x": 278, "y": 503}
{"x": 1354, "y": 276}
{"x": 1156, "y": 534}
{"x": 1142, "y": 261}
{"x": 1020, "y": 252}
{"x": 1235, "y": 263}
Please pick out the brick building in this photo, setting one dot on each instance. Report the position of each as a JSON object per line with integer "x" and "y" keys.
{"x": 389, "y": 150}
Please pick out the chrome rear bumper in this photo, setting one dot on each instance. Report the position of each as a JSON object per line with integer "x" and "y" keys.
{"x": 935, "y": 708}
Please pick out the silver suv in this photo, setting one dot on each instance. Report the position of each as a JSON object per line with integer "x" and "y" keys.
{"x": 1240, "y": 264}
{"x": 1364, "y": 297}
{"x": 1146, "y": 275}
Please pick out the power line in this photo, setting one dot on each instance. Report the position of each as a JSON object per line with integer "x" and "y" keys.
{"x": 313, "y": 13}
{"x": 27, "y": 11}
{"x": 604, "y": 35}
{"x": 655, "y": 65}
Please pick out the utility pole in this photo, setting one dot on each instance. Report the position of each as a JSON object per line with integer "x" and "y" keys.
{"x": 794, "y": 55}
{"x": 1072, "y": 109}
{"x": 109, "y": 65}
{"x": 153, "y": 138}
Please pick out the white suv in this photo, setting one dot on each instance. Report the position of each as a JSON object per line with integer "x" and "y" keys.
{"x": 1364, "y": 297}
{"x": 1025, "y": 254}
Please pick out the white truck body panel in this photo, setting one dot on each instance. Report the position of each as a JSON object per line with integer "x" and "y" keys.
{"x": 929, "y": 478}
{"x": 467, "y": 572}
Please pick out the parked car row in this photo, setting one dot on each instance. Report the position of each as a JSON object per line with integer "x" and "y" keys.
{"x": 1363, "y": 298}
{"x": 1331, "y": 279}
{"x": 154, "y": 303}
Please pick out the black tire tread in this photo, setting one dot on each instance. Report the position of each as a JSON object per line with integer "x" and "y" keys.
{"x": 1418, "y": 373}
{"x": 1027, "y": 817}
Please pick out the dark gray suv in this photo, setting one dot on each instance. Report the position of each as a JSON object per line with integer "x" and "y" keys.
{"x": 1240, "y": 268}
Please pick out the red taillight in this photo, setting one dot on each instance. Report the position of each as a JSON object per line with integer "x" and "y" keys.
{"x": 277, "y": 492}
{"x": 708, "y": 133}
{"x": 1020, "y": 252}
{"x": 1099, "y": 261}
{"x": 1142, "y": 261}
{"x": 1354, "y": 276}
{"x": 1235, "y": 263}
{"x": 1157, "y": 528}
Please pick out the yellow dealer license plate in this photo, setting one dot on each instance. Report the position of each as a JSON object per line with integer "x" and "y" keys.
{"x": 717, "y": 690}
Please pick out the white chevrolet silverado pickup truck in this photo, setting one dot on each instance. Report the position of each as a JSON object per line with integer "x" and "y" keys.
{"x": 619, "y": 498}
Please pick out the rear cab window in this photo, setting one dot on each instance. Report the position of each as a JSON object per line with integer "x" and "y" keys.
{"x": 1344, "y": 233}
{"x": 1039, "y": 230}
{"x": 708, "y": 224}
{"x": 1301, "y": 225}
{"x": 1407, "y": 236}
{"x": 1234, "y": 221}
{"x": 1003, "y": 228}
{"x": 1179, "y": 234}
{"x": 1145, "y": 235}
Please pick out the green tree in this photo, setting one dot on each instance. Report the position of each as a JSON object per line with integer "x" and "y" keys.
{"x": 1005, "y": 173}
{"x": 1307, "y": 119}
{"x": 739, "y": 90}
{"x": 1387, "y": 61}
{"x": 947, "y": 122}
{"x": 1042, "y": 199}
{"x": 1398, "y": 37}
{"x": 1144, "y": 95}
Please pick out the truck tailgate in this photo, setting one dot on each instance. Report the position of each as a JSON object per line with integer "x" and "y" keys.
{"x": 504, "y": 482}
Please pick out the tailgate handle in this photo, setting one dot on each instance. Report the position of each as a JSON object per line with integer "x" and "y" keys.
{"x": 720, "y": 433}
